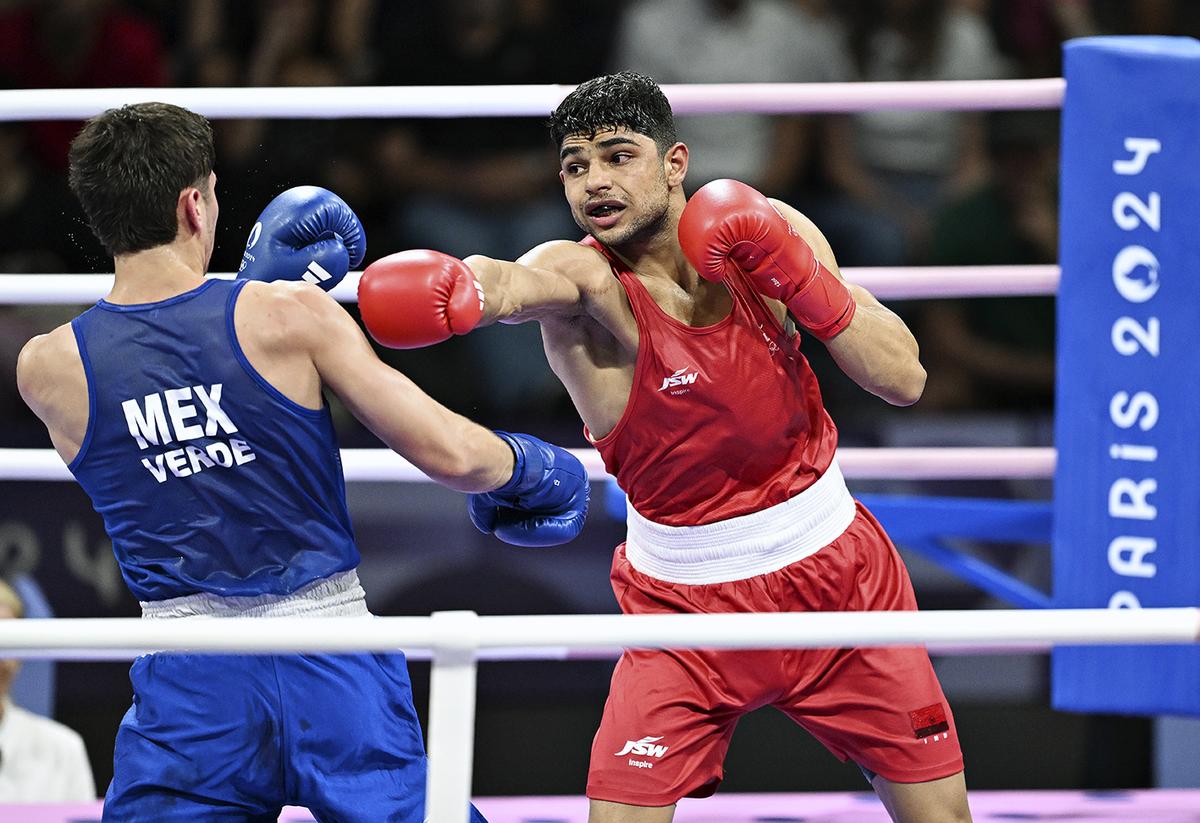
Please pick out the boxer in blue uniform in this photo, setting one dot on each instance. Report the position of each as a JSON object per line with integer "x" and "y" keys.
{"x": 192, "y": 412}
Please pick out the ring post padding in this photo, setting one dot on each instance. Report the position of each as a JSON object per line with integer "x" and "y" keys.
{"x": 452, "y": 682}
{"x": 1127, "y": 485}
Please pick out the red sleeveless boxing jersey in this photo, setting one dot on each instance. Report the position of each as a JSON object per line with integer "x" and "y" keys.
{"x": 723, "y": 420}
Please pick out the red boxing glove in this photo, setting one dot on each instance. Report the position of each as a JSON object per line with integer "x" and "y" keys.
{"x": 417, "y": 298}
{"x": 727, "y": 223}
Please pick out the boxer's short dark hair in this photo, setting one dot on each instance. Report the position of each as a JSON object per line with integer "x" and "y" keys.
{"x": 128, "y": 166}
{"x": 625, "y": 100}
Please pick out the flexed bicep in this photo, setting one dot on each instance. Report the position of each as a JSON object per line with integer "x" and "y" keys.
{"x": 870, "y": 343}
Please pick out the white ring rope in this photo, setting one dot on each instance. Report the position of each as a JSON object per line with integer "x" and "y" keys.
{"x": 536, "y": 100}
{"x": 384, "y": 465}
{"x": 888, "y": 283}
{"x": 467, "y": 632}
{"x": 916, "y": 282}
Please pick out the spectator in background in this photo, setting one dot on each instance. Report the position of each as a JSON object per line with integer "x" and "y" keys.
{"x": 466, "y": 185}
{"x": 1031, "y": 32}
{"x": 64, "y": 44}
{"x": 733, "y": 41}
{"x": 41, "y": 761}
{"x": 31, "y": 204}
{"x": 890, "y": 170}
{"x": 1172, "y": 17}
{"x": 281, "y": 43}
{"x": 451, "y": 196}
{"x": 75, "y": 44}
{"x": 275, "y": 33}
{"x": 997, "y": 353}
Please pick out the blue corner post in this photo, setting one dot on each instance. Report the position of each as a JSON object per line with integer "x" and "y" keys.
{"x": 1128, "y": 397}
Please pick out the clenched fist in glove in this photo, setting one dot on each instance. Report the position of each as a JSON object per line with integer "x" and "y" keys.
{"x": 545, "y": 502}
{"x": 417, "y": 298}
{"x": 305, "y": 233}
{"x": 727, "y": 223}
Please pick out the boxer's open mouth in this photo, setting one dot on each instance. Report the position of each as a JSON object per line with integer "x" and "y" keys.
{"x": 603, "y": 208}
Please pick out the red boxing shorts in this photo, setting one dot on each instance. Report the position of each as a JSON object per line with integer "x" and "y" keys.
{"x": 670, "y": 714}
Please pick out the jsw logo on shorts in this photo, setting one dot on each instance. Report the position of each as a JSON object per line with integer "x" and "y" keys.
{"x": 643, "y": 747}
{"x": 679, "y": 378}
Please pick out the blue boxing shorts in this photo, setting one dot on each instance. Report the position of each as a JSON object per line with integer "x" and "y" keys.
{"x": 225, "y": 738}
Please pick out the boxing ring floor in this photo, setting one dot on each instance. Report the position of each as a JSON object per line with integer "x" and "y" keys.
{"x": 1142, "y": 806}
{"x": 1148, "y": 806}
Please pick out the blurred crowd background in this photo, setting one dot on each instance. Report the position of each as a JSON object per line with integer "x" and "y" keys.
{"x": 887, "y": 188}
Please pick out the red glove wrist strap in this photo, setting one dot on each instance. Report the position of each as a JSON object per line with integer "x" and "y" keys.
{"x": 825, "y": 307}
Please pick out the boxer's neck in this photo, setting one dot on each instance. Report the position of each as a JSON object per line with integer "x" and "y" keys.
{"x": 157, "y": 274}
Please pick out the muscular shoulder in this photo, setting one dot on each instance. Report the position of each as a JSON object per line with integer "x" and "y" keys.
{"x": 282, "y": 312}
{"x": 45, "y": 351}
{"x": 606, "y": 312}
{"x": 584, "y": 266}
{"x": 284, "y": 296}
{"x": 44, "y": 363}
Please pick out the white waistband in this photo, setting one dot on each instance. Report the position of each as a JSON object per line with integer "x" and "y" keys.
{"x": 744, "y": 546}
{"x": 338, "y": 595}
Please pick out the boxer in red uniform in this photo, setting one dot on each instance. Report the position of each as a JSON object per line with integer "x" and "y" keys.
{"x": 674, "y": 328}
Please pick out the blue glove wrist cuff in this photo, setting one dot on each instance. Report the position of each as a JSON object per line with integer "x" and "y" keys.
{"x": 545, "y": 501}
{"x": 528, "y": 464}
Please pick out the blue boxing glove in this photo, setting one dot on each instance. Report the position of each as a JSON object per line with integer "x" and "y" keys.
{"x": 543, "y": 504}
{"x": 305, "y": 233}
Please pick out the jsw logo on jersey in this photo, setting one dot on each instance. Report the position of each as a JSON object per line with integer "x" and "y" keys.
{"x": 683, "y": 377}
{"x": 646, "y": 746}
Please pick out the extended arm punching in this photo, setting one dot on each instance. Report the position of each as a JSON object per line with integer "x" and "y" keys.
{"x": 420, "y": 297}
{"x": 536, "y": 493}
{"x": 729, "y": 224}
{"x": 527, "y": 492}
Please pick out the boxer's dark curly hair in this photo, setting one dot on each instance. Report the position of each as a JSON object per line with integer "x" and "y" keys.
{"x": 128, "y": 166}
{"x": 623, "y": 100}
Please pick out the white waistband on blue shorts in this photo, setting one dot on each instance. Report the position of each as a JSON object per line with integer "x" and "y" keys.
{"x": 744, "y": 546}
{"x": 339, "y": 595}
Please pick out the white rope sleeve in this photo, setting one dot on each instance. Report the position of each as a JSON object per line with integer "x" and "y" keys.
{"x": 535, "y": 100}
{"x": 915, "y": 282}
{"x": 115, "y": 638}
{"x": 887, "y": 283}
{"x": 384, "y": 465}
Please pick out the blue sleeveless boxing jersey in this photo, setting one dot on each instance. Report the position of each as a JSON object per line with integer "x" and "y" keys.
{"x": 207, "y": 477}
